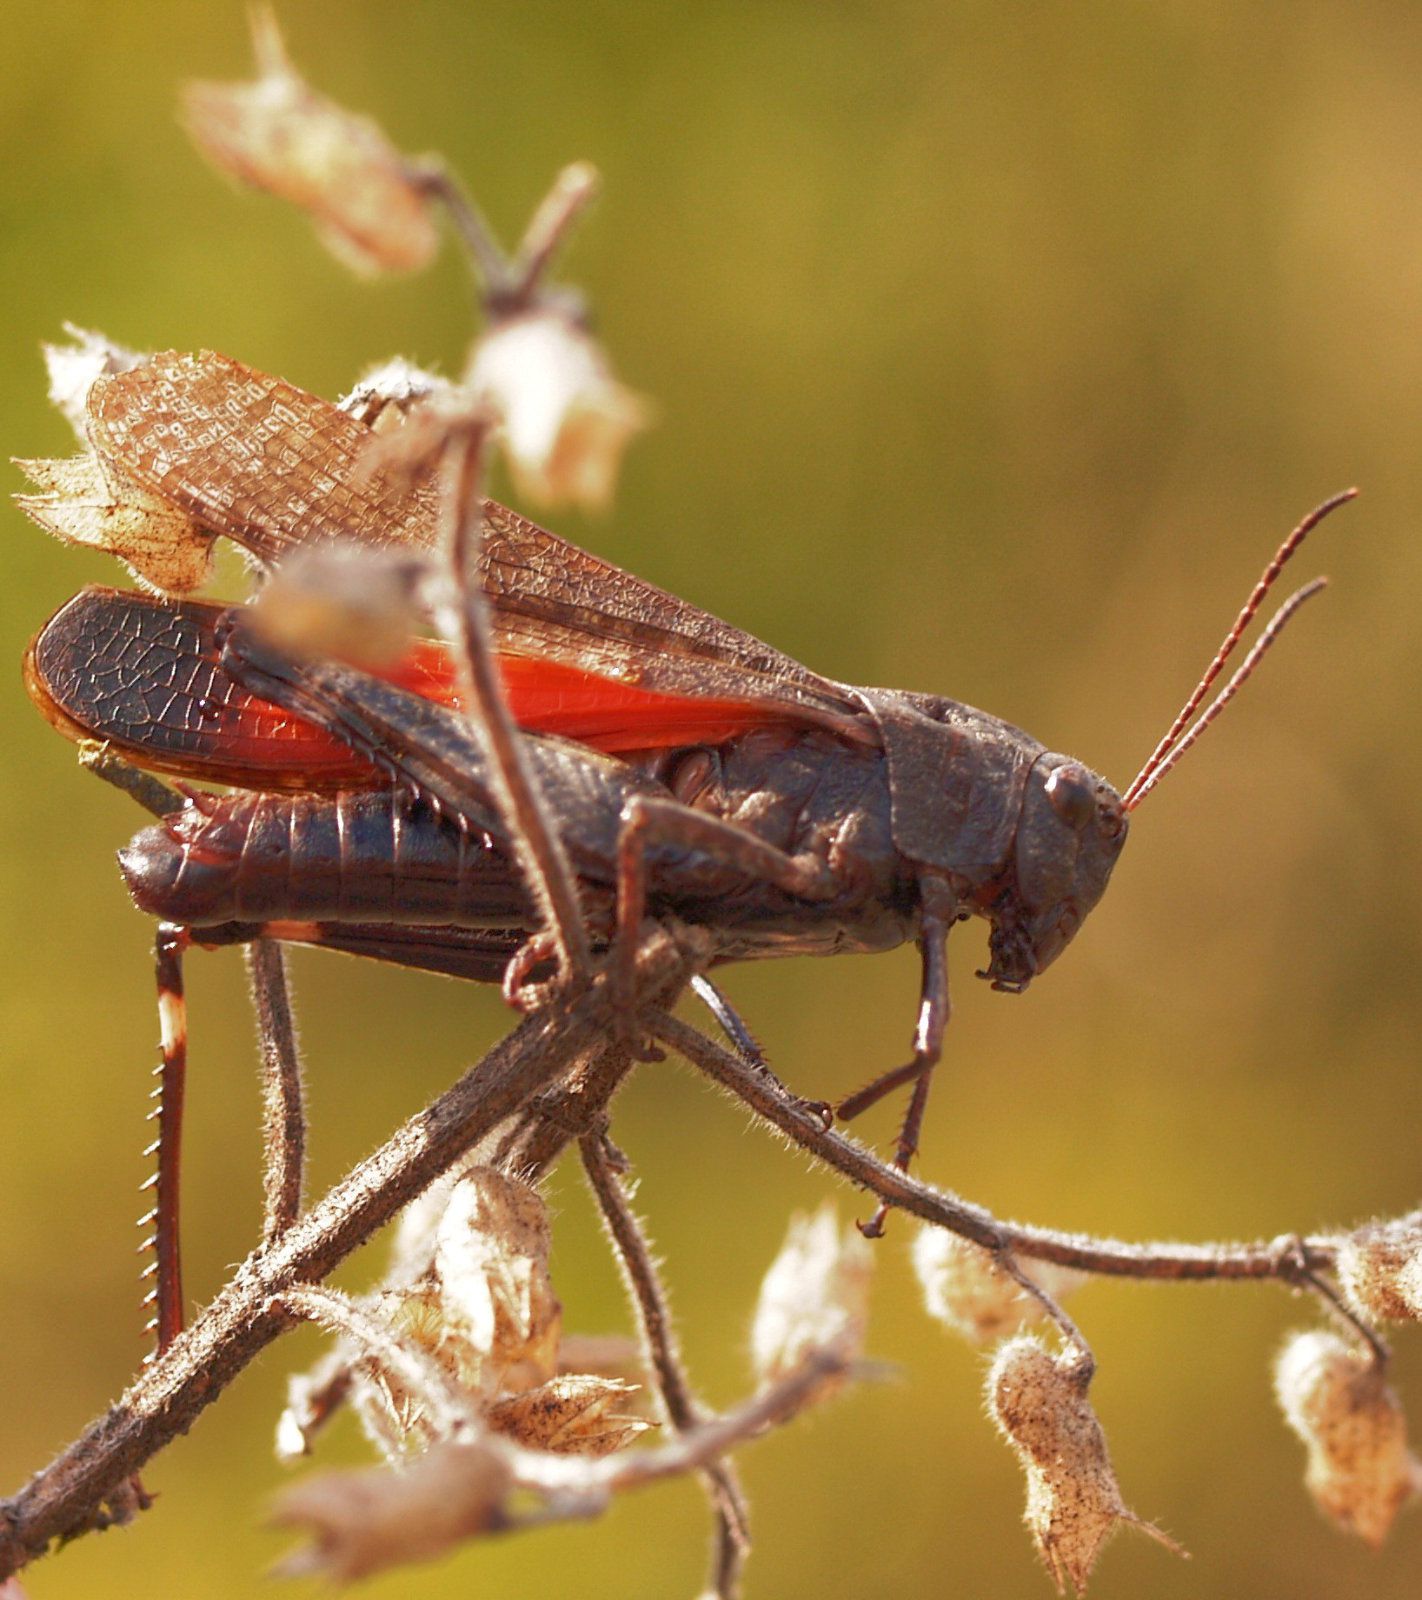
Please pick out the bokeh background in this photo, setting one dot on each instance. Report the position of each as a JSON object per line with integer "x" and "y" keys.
{"x": 994, "y": 347}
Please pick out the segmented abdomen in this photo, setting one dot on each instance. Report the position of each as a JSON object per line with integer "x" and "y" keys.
{"x": 351, "y": 857}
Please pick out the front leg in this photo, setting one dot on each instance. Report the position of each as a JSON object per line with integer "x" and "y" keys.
{"x": 940, "y": 910}
{"x": 648, "y": 821}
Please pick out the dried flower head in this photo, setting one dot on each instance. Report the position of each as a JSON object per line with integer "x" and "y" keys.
{"x": 1039, "y": 1403}
{"x": 344, "y": 600}
{"x": 366, "y": 1521}
{"x": 815, "y": 1295}
{"x": 1380, "y": 1269}
{"x": 966, "y": 1289}
{"x": 566, "y": 420}
{"x": 278, "y": 134}
{"x": 1334, "y": 1397}
{"x": 88, "y": 500}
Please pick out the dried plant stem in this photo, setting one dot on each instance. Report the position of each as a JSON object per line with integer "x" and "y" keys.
{"x": 151, "y": 793}
{"x": 573, "y": 189}
{"x": 563, "y": 1115}
{"x": 567, "y": 1036}
{"x": 1298, "y": 1271}
{"x": 67, "y": 1496}
{"x": 644, "y": 1287}
{"x": 689, "y": 1452}
{"x": 1279, "y": 1260}
{"x": 540, "y": 852}
{"x": 1085, "y": 1356}
{"x": 283, "y": 1101}
{"x": 487, "y": 260}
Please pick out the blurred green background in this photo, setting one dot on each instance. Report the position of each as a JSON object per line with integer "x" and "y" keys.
{"x": 994, "y": 347}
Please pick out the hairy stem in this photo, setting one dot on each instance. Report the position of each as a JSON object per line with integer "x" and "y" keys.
{"x": 151, "y": 793}
{"x": 486, "y": 257}
{"x": 173, "y": 1390}
{"x": 1110, "y": 1257}
{"x": 649, "y": 1299}
{"x": 540, "y": 852}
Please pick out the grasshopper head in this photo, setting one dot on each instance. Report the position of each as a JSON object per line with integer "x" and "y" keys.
{"x": 1069, "y": 833}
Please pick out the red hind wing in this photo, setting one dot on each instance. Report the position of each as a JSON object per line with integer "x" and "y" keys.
{"x": 144, "y": 675}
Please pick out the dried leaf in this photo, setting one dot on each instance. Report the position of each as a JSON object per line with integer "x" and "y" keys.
{"x": 89, "y": 501}
{"x": 566, "y": 420}
{"x": 570, "y": 1415}
{"x": 1039, "y": 1403}
{"x": 815, "y": 1295}
{"x": 278, "y": 134}
{"x": 367, "y": 1521}
{"x": 1380, "y": 1269}
{"x": 1334, "y": 1397}
{"x": 965, "y": 1288}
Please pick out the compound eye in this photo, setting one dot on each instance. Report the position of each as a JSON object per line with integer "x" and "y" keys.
{"x": 1073, "y": 796}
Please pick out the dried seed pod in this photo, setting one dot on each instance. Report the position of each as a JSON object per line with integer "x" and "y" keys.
{"x": 570, "y": 1415}
{"x": 491, "y": 1265}
{"x": 483, "y": 1309}
{"x": 566, "y": 419}
{"x": 368, "y": 1521}
{"x": 1380, "y": 1269}
{"x": 1039, "y": 1403}
{"x": 965, "y": 1288}
{"x": 816, "y": 1294}
{"x": 1334, "y": 1396}
{"x": 278, "y": 134}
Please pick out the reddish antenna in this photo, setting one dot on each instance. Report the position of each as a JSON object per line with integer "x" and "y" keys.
{"x": 1177, "y": 740}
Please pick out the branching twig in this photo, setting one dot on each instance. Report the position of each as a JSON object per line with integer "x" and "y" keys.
{"x": 689, "y": 1452}
{"x": 283, "y": 1105}
{"x": 1296, "y": 1268}
{"x": 563, "y": 1115}
{"x": 470, "y": 1483}
{"x": 644, "y": 1287}
{"x": 1110, "y": 1257}
{"x": 486, "y": 257}
{"x": 169, "y": 1394}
